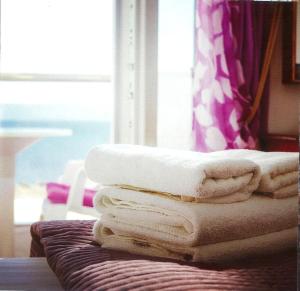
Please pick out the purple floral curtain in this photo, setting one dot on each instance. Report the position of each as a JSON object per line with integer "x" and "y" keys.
{"x": 229, "y": 42}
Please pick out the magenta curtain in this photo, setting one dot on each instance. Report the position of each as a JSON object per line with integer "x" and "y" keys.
{"x": 229, "y": 42}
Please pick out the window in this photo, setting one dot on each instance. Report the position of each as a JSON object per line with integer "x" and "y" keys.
{"x": 175, "y": 62}
{"x": 58, "y": 38}
{"x": 143, "y": 117}
{"x": 55, "y": 71}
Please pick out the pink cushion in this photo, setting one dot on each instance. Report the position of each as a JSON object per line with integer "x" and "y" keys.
{"x": 58, "y": 194}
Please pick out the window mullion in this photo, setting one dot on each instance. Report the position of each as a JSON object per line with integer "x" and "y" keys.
{"x": 136, "y": 71}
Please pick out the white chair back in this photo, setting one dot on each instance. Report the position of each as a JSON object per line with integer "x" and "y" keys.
{"x": 75, "y": 176}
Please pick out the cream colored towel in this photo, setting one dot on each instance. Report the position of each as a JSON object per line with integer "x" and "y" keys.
{"x": 187, "y": 223}
{"x": 183, "y": 173}
{"x": 279, "y": 170}
{"x": 224, "y": 251}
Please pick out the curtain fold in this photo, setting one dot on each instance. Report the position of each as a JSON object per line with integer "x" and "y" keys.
{"x": 230, "y": 38}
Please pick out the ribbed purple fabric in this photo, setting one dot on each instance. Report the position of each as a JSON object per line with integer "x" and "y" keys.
{"x": 81, "y": 264}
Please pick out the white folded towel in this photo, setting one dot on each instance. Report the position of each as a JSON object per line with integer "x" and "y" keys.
{"x": 185, "y": 173}
{"x": 270, "y": 243}
{"x": 186, "y": 223}
{"x": 279, "y": 170}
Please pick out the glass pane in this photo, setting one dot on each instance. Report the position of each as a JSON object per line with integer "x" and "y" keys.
{"x": 175, "y": 60}
{"x": 85, "y": 108}
{"x": 56, "y": 36}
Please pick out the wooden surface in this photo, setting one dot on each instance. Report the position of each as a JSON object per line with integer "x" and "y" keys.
{"x": 279, "y": 143}
{"x": 27, "y": 274}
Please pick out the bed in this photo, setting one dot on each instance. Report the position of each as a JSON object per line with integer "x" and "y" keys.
{"x": 80, "y": 264}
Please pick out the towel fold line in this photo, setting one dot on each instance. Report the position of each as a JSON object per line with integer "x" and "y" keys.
{"x": 235, "y": 174}
{"x": 189, "y": 223}
{"x": 213, "y": 253}
{"x": 185, "y": 173}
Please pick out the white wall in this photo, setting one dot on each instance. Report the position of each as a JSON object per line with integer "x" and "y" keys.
{"x": 298, "y": 34}
{"x": 284, "y": 98}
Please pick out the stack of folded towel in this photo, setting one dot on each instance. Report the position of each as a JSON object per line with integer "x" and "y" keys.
{"x": 194, "y": 206}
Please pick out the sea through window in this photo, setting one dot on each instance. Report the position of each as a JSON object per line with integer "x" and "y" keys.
{"x": 55, "y": 72}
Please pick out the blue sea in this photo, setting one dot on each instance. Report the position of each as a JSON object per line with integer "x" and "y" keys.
{"x": 45, "y": 160}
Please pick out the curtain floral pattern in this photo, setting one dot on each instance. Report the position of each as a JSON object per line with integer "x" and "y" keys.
{"x": 227, "y": 61}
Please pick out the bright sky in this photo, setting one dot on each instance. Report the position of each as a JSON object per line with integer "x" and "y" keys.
{"x": 176, "y": 33}
{"x": 75, "y": 36}
{"x": 56, "y": 36}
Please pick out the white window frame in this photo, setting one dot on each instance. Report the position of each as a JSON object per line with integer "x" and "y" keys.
{"x": 135, "y": 71}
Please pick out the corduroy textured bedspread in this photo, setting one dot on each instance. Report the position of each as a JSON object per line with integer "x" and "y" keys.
{"x": 81, "y": 264}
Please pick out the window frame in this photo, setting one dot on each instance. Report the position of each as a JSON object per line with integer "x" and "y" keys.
{"x": 135, "y": 71}
{"x": 54, "y": 77}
